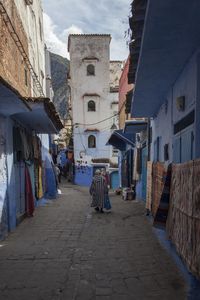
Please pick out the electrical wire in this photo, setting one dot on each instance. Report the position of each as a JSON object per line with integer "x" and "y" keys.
{"x": 81, "y": 139}
{"x": 76, "y": 124}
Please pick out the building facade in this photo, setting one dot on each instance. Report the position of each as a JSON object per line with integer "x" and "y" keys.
{"x": 25, "y": 113}
{"x": 167, "y": 92}
{"x": 94, "y": 82}
{"x": 125, "y": 95}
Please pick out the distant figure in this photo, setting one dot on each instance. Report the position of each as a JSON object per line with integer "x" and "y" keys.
{"x": 106, "y": 176}
{"x": 107, "y": 204}
{"x": 58, "y": 172}
{"x": 98, "y": 190}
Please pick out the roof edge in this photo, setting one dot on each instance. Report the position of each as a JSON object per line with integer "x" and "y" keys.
{"x": 50, "y": 110}
{"x": 82, "y": 35}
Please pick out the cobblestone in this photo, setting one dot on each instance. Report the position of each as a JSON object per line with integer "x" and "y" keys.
{"x": 69, "y": 252}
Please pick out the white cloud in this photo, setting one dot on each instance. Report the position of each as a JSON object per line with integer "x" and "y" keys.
{"x": 57, "y": 42}
{"x": 89, "y": 16}
{"x": 71, "y": 30}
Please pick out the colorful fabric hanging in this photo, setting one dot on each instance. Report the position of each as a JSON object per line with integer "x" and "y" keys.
{"x": 40, "y": 188}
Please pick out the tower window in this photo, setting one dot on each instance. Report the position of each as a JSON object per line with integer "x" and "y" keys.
{"x": 91, "y": 106}
{"x": 90, "y": 70}
{"x": 91, "y": 141}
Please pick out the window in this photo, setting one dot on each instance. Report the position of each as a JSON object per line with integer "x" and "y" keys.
{"x": 90, "y": 70}
{"x": 157, "y": 144}
{"x": 91, "y": 141}
{"x": 91, "y": 106}
{"x": 166, "y": 152}
{"x": 29, "y": 2}
{"x": 115, "y": 152}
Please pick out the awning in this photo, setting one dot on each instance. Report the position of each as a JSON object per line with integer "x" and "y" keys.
{"x": 38, "y": 114}
{"x": 134, "y": 126}
{"x": 119, "y": 140}
{"x": 42, "y": 118}
{"x": 170, "y": 37}
{"x": 10, "y": 100}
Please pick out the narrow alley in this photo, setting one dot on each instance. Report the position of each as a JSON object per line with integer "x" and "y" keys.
{"x": 68, "y": 251}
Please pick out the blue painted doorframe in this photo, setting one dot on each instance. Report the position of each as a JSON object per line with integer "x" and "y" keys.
{"x": 183, "y": 145}
{"x": 144, "y": 172}
{"x": 114, "y": 180}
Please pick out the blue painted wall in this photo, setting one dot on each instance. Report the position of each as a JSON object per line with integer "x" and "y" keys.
{"x": 144, "y": 173}
{"x": 139, "y": 189}
{"x": 120, "y": 168}
{"x": 114, "y": 180}
{"x": 3, "y": 181}
{"x": 168, "y": 114}
{"x": 7, "y": 179}
{"x": 4, "y": 222}
{"x": 83, "y": 175}
{"x": 12, "y": 193}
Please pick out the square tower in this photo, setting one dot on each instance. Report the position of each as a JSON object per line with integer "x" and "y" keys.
{"x": 90, "y": 89}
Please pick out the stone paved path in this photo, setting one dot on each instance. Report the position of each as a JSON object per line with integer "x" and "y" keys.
{"x": 69, "y": 252}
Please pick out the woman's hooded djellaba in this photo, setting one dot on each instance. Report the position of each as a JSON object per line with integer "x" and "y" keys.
{"x": 98, "y": 190}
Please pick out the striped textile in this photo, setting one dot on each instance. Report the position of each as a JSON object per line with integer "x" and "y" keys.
{"x": 163, "y": 207}
{"x": 98, "y": 190}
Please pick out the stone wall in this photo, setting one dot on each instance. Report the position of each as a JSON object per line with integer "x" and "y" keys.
{"x": 13, "y": 68}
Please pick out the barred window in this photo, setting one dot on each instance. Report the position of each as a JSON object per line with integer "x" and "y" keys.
{"x": 91, "y": 141}
{"x": 90, "y": 70}
{"x": 91, "y": 106}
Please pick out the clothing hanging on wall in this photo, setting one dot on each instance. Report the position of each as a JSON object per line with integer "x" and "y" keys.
{"x": 29, "y": 199}
{"x": 22, "y": 145}
{"x": 40, "y": 188}
{"x": 18, "y": 149}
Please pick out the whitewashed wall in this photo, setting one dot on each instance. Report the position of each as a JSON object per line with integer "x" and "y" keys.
{"x": 168, "y": 114}
{"x": 96, "y": 88}
{"x": 32, "y": 20}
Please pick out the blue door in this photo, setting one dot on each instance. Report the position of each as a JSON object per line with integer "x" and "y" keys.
{"x": 114, "y": 178}
{"x": 144, "y": 172}
{"x": 183, "y": 149}
{"x": 187, "y": 145}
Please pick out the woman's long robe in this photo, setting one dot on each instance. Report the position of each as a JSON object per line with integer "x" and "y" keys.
{"x": 98, "y": 191}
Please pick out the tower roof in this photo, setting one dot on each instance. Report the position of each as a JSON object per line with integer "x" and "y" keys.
{"x": 84, "y": 35}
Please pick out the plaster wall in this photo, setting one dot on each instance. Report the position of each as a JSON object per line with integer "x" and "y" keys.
{"x": 45, "y": 144}
{"x": 81, "y": 144}
{"x": 7, "y": 178}
{"x": 168, "y": 114}
{"x": 124, "y": 88}
{"x": 12, "y": 65}
{"x": 3, "y": 180}
{"x": 11, "y": 188}
{"x": 115, "y": 72}
{"x": 82, "y": 47}
{"x": 49, "y": 88}
{"x": 85, "y": 50}
{"x": 32, "y": 20}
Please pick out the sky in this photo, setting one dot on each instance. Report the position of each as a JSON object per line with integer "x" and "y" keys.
{"x": 62, "y": 17}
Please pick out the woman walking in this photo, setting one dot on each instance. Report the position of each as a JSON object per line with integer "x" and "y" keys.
{"x": 107, "y": 204}
{"x": 98, "y": 190}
